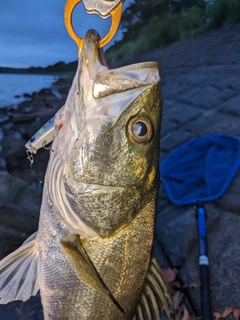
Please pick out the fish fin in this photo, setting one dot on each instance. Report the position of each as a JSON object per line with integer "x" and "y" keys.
{"x": 30, "y": 238}
{"x": 81, "y": 263}
{"x": 155, "y": 301}
{"x": 84, "y": 267}
{"x": 19, "y": 273}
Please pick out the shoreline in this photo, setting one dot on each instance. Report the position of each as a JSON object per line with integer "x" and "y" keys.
{"x": 19, "y": 123}
{"x": 21, "y": 184}
{"x": 31, "y": 84}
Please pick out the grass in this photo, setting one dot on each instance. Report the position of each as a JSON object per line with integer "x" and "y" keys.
{"x": 223, "y": 12}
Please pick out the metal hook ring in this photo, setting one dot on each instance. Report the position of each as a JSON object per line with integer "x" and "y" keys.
{"x": 116, "y": 15}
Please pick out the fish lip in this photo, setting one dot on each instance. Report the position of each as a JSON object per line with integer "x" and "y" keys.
{"x": 92, "y": 55}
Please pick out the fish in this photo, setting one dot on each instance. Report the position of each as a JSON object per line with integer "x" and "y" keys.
{"x": 92, "y": 255}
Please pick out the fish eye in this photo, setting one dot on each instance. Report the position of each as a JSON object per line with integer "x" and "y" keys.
{"x": 140, "y": 130}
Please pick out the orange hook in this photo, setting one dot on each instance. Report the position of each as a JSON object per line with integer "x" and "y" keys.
{"x": 116, "y": 15}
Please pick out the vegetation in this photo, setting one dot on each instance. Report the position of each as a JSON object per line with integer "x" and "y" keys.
{"x": 149, "y": 24}
{"x": 223, "y": 12}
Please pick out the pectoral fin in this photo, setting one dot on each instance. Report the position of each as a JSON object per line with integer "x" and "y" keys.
{"x": 82, "y": 264}
{"x": 155, "y": 301}
{"x": 19, "y": 273}
{"x": 85, "y": 268}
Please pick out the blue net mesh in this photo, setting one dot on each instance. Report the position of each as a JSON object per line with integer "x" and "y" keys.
{"x": 201, "y": 169}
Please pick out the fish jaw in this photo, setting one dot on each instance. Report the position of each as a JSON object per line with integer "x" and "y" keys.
{"x": 71, "y": 120}
{"x": 69, "y": 126}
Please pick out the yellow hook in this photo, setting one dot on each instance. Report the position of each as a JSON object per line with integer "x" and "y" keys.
{"x": 116, "y": 15}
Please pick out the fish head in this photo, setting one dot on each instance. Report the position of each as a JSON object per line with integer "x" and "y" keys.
{"x": 107, "y": 139}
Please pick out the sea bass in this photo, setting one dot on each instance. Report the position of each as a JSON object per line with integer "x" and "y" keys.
{"x": 92, "y": 256}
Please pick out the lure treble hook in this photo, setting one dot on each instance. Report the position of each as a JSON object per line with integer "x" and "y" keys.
{"x": 115, "y": 13}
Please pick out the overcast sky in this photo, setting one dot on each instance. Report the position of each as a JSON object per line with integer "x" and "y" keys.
{"x": 33, "y": 33}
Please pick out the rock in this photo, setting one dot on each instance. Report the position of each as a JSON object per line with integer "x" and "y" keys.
{"x": 230, "y": 199}
{"x": 175, "y": 112}
{"x": 12, "y": 144}
{"x": 14, "y": 151}
{"x": 175, "y": 139}
{"x": 61, "y": 82}
{"x": 167, "y": 127}
{"x": 29, "y": 200}
{"x": 20, "y": 207}
{"x": 2, "y": 164}
{"x": 34, "y": 174}
{"x": 22, "y": 106}
{"x": 223, "y": 252}
{"x": 26, "y": 95}
{"x": 62, "y": 85}
{"x": 45, "y": 92}
{"x": 4, "y": 115}
{"x": 21, "y": 117}
{"x": 7, "y": 183}
{"x": 176, "y": 229}
{"x": 29, "y": 310}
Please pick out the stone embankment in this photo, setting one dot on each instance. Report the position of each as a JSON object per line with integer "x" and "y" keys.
{"x": 201, "y": 91}
{"x": 20, "y": 186}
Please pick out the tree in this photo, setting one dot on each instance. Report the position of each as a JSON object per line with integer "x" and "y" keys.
{"x": 141, "y": 11}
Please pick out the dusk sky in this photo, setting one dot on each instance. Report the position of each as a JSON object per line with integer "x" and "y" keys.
{"x": 33, "y": 33}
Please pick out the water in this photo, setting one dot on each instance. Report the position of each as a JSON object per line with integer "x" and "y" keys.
{"x": 18, "y": 84}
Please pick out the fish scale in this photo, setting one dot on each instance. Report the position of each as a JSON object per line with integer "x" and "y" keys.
{"x": 92, "y": 255}
{"x": 101, "y": 217}
{"x": 126, "y": 269}
{"x": 123, "y": 244}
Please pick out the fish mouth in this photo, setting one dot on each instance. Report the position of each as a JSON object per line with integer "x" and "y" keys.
{"x": 108, "y": 92}
{"x": 98, "y": 93}
{"x": 92, "y": 57}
